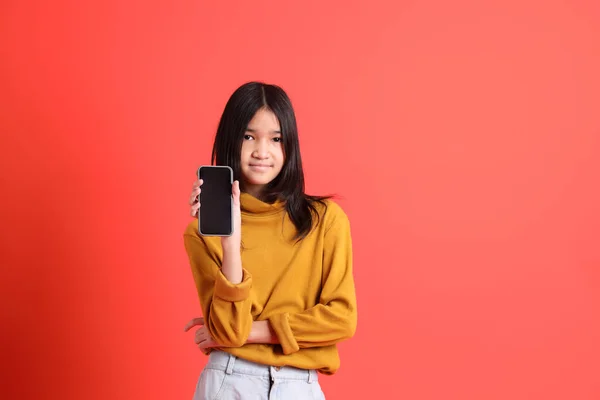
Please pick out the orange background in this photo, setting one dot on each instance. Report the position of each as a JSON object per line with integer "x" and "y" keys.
{"x": 462, "y": 137}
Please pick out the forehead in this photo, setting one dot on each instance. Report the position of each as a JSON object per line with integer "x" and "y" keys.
{"x": 264, "y": 120}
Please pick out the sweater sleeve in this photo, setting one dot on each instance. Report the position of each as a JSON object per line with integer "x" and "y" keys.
{"x": 335, "y": 317}
{"x": 225, "y": 306}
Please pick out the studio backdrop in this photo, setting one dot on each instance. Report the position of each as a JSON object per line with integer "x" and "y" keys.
{"x": 462, "y": 138}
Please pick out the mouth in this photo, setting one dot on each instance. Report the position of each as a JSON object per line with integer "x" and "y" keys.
{"x": 262, "y": 166}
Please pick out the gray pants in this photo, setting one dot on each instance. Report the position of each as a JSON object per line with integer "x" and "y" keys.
{"x": 227, "y": 377}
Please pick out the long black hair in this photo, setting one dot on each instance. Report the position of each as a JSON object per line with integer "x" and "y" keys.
{"x": 288, "y": 186}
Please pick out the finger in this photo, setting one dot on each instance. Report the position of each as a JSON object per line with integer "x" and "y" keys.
{"x": 194, "y": 322}
{"x": 199, "y": 339}
{"x": 207, "y": 344}
{"x": 194, "y": 210}
{"x": 194, "y": 196}
{"x": 200, "y": 332}
{"x": 235, "y": 189}
{"x": 197, "y": 184}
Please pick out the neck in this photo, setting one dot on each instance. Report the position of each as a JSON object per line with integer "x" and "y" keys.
{"x": 255, "y": 191}
{"x": 253, "y": 205}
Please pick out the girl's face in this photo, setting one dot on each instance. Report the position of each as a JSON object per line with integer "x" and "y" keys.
{"x": 262, "y": 152}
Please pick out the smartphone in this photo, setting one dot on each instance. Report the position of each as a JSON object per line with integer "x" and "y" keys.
{"x": 216, "y": 201}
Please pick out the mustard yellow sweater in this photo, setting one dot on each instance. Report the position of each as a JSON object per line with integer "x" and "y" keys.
{"x": 305, "y": 289}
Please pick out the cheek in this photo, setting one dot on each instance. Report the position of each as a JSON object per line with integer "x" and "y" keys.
{"x": 280, "y": 154}
{"x": 246, "y": 151}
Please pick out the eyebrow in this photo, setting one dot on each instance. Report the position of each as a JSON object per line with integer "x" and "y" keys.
{"x": 254, "y": 131}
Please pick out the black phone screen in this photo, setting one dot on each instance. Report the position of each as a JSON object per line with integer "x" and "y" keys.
{"x": 215, "y": 201}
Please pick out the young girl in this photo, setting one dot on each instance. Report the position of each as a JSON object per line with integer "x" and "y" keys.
{"x": 278, "y": 294}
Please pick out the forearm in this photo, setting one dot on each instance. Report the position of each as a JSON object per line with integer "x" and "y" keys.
{"x": 316, "y": 327}
{"x": 223, "y": 289}
{"x": 229, "y": 308}
{"x": 232, "y": 262}
{"x": 262, "y": 332}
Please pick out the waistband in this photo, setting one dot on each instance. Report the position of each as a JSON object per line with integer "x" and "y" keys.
{"x": 229, "y": 363}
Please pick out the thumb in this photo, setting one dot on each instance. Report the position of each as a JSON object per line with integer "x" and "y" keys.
{"x": 194, "y": 322}
{"x": 236, "y": 191}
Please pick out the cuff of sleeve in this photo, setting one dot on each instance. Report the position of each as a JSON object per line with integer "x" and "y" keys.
{"x": 281, "y": 325}
{"x": 228, "y": 291}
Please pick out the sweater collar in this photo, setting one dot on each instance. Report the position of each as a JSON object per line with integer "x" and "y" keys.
{"x": 253, "y": 206}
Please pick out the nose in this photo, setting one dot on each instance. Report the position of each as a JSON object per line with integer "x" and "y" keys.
{"x": 261, "y": 151}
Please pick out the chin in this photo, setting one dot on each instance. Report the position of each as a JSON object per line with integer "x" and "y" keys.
{"x": 257, "y": 178}
{"x": 259, "y": 182}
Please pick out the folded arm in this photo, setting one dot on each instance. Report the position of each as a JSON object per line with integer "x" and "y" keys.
{"x": 225, "y": 305}
{"x": 335, "y": 317}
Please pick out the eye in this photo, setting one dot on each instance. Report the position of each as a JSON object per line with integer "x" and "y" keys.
{"x": 277, "y": 139}
{"x": 248, "y": 137}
